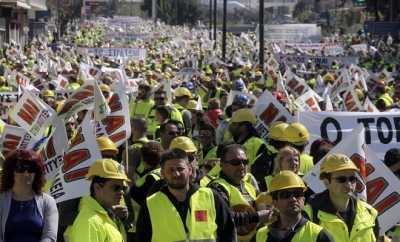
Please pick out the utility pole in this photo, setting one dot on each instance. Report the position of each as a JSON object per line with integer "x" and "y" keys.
{"x": 154, "y": 11}
{"x": 224, "y": 31}
{"x": 215, "y": 23}
{"x": 211, "y": 20}
{"x": 261, "y": 33}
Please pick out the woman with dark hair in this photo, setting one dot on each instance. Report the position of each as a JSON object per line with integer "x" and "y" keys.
{"x": 26, "y": 213}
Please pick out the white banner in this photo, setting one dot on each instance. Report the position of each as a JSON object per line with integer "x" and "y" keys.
{"x": 328, "y": 49}
{"x": 131, "y": 53}
{"x": 308, "y": 102}
{"x": 322, "y": 61}
{"x": 269, "y": 110}
{"x": 116, "y": 125}
{"x": 70, "y": 181}
{"x": 382, "y": 130}
{"x": 33, "y": 114}
{"x": 81, "y": 99}
{"x": 292, "y": 33}
{"x": 53, "y": 150}
{"x": 14, "y": 138}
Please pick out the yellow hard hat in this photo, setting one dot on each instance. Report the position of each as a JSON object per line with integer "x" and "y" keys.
{"x": 48, "y": 93}
{"x": 220, "y": 70}
{"x": 105, "y": 88}
{"x": 329, "y": 77}
{"x": 2, "y": 78}
{"x": 107, "y": 168}
{"x": 184, "y": 143}
{"x": 277, "y": 131}
{"x": 243, "y": 115}
{"x": 337, "y": 162}
{"x": 296, "y": 133}
{"x": 192, "y": 105}
{"x": 106, "y": 143}
{"x": 286, "y": 180}
{"x": 182, "y": 91}
{"x": 258, "y": 73}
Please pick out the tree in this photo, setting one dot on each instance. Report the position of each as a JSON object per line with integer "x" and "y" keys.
{"x": 176, "y": 12}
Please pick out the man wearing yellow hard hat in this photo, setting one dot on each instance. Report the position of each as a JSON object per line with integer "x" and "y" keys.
{"x": 96, "y": 221}
{"x": 287, "y": 192}
{"x": 337, "y": 210}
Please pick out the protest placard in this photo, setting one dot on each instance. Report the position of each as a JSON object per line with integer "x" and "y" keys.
{"x": 33, "y": 114}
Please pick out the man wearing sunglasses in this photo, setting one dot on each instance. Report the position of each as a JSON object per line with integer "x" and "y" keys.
{"x": 337, "y": 210}
{"x": 287, "y": 192}
{"x": 238, "y": 191}
{"x": 96, "y": 220}
{"x": 181, "y": 210}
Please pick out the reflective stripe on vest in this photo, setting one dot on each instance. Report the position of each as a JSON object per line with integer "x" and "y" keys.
{"x": 363, "y": 227}
{"x": 235, "y": 196}
{"x": 200, "y": 220}
{"x": 309, "y": 232}
{"x": 252, "y": 146}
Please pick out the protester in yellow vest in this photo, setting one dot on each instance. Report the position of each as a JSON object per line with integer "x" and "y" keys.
{"x": 182, "y": 97}
{"x": 141, "y": 106}
{"x": 182, "y": 211}
{"x": 238, "y": 192}
{"x": 241, "y": 126}
{"x": 296, "y": 134}
{"x": 287, "y": 192}
{"x": 150, "y": 154}
{"x": 337, "y": 210}
{"x": 95, "y": 221}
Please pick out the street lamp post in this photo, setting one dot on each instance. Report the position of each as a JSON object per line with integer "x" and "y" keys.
{"x": 261, "y": 33}
{"x": 224, "y": 31}
{"x": 211, "y": 20}
{"x": 215, "y": 23}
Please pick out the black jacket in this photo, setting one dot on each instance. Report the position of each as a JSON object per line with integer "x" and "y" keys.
{"x": 226, "y": 231}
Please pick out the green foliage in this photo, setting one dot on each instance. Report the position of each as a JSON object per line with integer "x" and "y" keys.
{"x": 175, "y": 12}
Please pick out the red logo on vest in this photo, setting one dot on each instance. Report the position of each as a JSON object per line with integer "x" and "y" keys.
{"x": 201, "y": 215}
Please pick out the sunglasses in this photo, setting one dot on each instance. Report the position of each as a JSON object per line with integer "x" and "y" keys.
{"x": 237, "y": 162}
{"x": 343, "y": 179}
{"x": 21, "y": 168}
{"x": 173, "y": 133}
{"x": 118, "y": 188}
{"x": 290, "y": 194}
{"x": 159, "y": 98}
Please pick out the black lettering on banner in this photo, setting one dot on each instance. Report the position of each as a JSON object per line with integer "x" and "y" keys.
{"x": 324, "y": 129}
{"x": 381, "y": 135}
{"x": 366, "y": 122}
{"x": 397, "y": 127}
{"x": 56, "y": 190}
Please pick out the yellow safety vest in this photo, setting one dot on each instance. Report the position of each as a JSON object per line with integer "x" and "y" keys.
{"x": 363, "y": 227}
{"x": 306, "y": 163}
{"x": 156, "y": 174}
{"x": 167, "y": 224}
{"x": 140, "y": 108}
{"x": 252, "y": 146}
{"x": 309, "y": 232}
{"x": 93, "y": 224}
{"x": 234, "y": 195}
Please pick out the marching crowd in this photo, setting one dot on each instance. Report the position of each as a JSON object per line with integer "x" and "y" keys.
{"x": 195, "y": 167}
